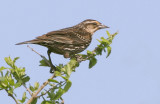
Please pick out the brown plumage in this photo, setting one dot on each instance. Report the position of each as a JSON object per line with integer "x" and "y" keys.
{"x": 68, "y": 41}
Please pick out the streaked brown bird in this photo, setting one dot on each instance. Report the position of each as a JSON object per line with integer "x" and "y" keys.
{"x": 68, "y": 41}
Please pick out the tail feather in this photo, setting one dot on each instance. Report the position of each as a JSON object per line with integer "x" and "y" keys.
{"x": 35, "y": 41}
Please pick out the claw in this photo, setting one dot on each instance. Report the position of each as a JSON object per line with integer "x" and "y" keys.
{"x": 53, "y": 68}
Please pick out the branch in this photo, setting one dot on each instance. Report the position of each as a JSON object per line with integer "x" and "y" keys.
{"x": 34, "y": 50}
{"x": 44, "y": 93}
{"x": 39, "y": 55}
{"x": 39, "y": 90}
{"x": 50, "y": 89}
{"x": 27, "y": 89}
{"x": 11, "y": 95}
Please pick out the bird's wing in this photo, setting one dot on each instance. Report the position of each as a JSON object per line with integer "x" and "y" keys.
{"x": 61, "y": 36}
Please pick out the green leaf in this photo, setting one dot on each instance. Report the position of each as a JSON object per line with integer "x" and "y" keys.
{"x": 51, "y": 94}
{"x": 108, "y": 33}
{"x": 99, "y": 40}
{"x": 9, "y": 61}
{"x": 44, "y": 63}
{"x": 2, "y": 78}
{"x": 48, "y": 102}
{"x": 92, "y": 62}
{"x": 68, "y": 69}
{"x": 60, "y": 67}
{"x": 71, "y": 66}
{"x": 105, "y": 41}
{"x": 1, "y": 74}
{"x": 109, "y": 51}
{"x": 11, "y": 82}
{"x": 4, "y": 85}
{"x": 113, "y": 35}
{"x": 3, "y": 82}
{"x": 26, "y": 79}
{"x": 23, "y": 98}
{"x": 10, "y": 91}
{"x": 15, "y": 59}
{"x": 18, "y": 84}
{"x": 2, "y": 68}
{"x": 65, "y": 77}
{"x": 99, "y": 50}
{"x": 52, "y": 80}
{"x": 57, "y": 73}
{"x": 89, "y": 52}
{"x": 67, "y": 86}
{"x": 58, "y": 94}
{"x": 36, "y": 85}
{"x": 42, "y": 92}
{"x": 31, "y": 88}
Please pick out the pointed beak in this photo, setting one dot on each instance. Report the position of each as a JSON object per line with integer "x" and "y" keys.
{"x": 101, "y": 26}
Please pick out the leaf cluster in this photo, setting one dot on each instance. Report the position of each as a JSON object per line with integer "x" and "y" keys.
{"x": 12, "y": 77}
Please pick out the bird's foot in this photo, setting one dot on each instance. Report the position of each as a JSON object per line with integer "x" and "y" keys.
{"x": 78, "y": 57}
{"x": 53, "y": 68}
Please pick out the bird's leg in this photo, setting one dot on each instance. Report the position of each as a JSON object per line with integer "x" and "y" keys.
{"x": 53, "y": 68}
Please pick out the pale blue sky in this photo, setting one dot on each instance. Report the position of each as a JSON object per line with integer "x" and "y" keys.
{"x": 131, "y": 73}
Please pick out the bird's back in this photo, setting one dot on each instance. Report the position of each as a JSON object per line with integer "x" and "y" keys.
{"x": 72, "y": 40}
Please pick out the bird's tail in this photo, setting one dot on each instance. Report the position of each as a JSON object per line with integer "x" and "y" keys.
{"x": 35, "y": 41}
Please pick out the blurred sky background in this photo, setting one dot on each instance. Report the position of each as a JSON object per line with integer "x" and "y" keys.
{"x": 130, "y": 75}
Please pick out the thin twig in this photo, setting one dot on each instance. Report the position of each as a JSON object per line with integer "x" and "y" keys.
{"x": 39, "y": 55}
{"x": 27, "y": 89}
{"x": 11, "y": 95}
{"x": 44, "y": 93}
{"x": 39, "y": 90}
{"x": 33, "y": 50}
{"x": 51, "y": 89}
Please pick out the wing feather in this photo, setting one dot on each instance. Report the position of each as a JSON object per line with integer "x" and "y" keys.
{"x": 61, "y": 36}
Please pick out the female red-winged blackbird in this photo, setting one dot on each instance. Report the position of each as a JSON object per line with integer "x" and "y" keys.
{"x": 68, "y": 41}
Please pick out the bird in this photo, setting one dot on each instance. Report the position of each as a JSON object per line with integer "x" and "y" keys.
{"x": 68, "y": 41}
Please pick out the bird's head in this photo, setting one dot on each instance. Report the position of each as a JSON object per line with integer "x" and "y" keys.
{"x": 92, "y": 26}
